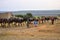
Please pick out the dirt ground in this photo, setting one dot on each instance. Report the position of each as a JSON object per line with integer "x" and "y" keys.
{"x": 45, "y": 31}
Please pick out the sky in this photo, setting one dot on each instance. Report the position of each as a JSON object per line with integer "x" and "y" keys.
{"x": 17, "y": 5}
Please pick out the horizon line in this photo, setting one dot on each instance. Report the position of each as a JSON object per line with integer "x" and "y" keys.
{"x": 29, "y": 10}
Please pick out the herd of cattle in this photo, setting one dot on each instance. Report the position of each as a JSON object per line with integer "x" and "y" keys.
{"x": 5, "y": 22}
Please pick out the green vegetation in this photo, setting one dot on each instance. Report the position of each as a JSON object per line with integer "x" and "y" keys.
{"x": 29, "y": 15}
{"x": 19, "y": 15}
{"x": 24, "y": 16}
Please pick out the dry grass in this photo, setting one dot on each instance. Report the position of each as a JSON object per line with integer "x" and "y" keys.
{"x": 44, "y": 31}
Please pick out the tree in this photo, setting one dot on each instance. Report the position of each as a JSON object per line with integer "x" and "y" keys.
{"x": 29, "y": 15}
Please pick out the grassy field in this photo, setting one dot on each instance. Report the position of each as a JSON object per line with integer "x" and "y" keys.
{"x": 45, "y": 31}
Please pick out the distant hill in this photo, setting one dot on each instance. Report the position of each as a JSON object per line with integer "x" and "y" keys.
{"x": 38, "y": 12}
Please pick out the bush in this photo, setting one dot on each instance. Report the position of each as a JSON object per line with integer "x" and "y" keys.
{"x": 19, "y": 16}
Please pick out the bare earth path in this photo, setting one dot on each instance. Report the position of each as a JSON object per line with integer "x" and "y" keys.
{"x": 42, "y": 32}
